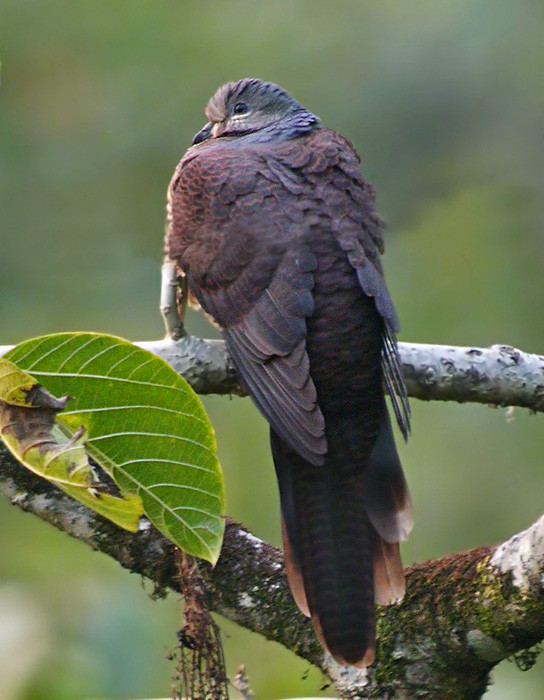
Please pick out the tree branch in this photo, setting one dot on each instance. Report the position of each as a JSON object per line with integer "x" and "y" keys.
{"x": 499, "y": 375}
{"x": 461, "y": 614}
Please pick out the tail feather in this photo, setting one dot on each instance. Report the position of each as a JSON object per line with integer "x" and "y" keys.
{"x": 388, "y": 574}
{"x": 341, "y": 527}
{"x": 386, "y": 496}
{"x": 294, "y": 574}
{"x": 336, "y": 542}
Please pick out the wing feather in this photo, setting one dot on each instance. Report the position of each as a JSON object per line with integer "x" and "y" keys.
{"x": 359, "y": 235}
{"x": 253, "y": 272}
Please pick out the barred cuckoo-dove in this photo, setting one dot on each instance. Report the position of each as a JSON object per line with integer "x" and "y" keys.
{"x": 275, "y": 229}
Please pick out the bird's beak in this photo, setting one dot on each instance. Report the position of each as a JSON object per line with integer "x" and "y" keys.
{"x": 203, "y": 134}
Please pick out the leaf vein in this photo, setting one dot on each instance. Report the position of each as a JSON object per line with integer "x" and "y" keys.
{"x": 126, "y": 433}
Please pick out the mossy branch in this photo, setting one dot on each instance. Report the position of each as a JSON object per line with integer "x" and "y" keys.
{"x": 461, "y": 615}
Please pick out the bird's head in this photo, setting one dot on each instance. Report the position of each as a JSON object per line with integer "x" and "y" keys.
{"x": 250, "y": 105}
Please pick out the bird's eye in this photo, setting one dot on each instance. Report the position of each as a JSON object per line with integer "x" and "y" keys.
{"x": 240, "y": 108}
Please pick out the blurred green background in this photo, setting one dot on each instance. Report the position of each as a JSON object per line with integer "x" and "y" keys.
{"x": 445, "y": 101}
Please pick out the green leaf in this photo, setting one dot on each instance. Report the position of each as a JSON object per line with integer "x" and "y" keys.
{"x": 145, "y": 425}
{"x": 28, "y": 427}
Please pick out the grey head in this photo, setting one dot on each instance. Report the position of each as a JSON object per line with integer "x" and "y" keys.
{"x": 252, "y": 107}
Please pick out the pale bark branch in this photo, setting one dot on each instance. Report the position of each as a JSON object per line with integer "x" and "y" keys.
{"x": 461, "y": 614}
{"x": 499, "y": 375}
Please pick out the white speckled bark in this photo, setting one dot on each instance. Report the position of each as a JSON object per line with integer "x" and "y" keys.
{"x": 523, "y": 556}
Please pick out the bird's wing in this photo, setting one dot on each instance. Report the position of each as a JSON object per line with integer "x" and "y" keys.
{"x": 233, "y": 228}
{"x": 359, "y": 233}
{"x": 373, "y": 285}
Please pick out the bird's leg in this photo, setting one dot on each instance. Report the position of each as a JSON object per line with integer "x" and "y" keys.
{"x": 173, "y": 301}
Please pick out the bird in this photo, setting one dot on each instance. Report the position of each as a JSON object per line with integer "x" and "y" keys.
{"x": 274, "y": 227}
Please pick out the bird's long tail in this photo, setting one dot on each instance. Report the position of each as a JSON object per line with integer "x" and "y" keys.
{"x": 341, "y": 526}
